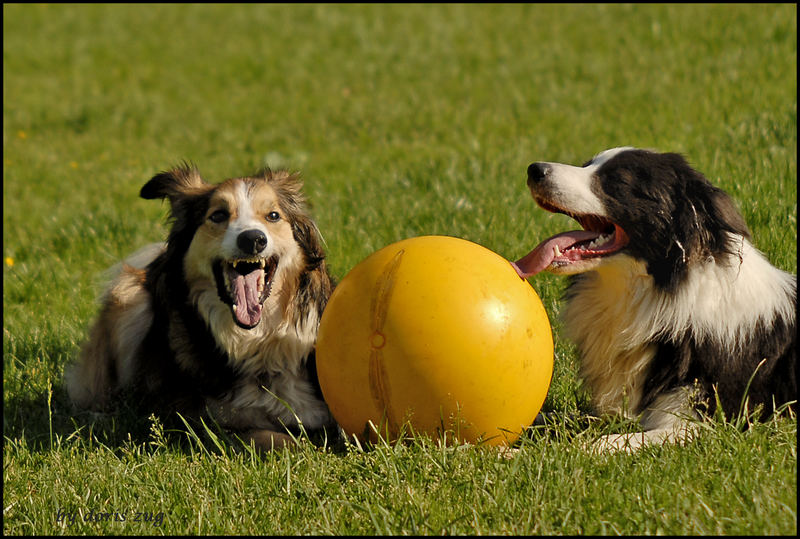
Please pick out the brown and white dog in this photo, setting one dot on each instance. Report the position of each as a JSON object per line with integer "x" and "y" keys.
{"x": 670, "y": 305}
{"x": 221, "y": 320}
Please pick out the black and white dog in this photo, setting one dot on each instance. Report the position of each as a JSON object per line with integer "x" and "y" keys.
{"x": 670, "y": 305}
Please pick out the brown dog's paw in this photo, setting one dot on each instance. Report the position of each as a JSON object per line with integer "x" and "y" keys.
{"x": 268, "y": 440}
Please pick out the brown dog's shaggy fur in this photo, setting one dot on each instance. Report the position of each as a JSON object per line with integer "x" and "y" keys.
{"x": 222, "y": 319}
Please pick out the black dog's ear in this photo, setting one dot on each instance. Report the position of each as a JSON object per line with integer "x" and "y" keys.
{"x": 727, "y": 215}
{"x": 717, "y": 207}
{"x": 705, "y": 214}
{"x": 183, "y": 180}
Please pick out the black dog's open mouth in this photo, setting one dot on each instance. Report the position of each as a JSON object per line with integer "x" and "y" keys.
{"x": 245, "y": 284}
{"x": 600, "y": 237}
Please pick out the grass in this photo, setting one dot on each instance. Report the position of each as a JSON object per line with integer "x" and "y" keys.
{"x": 550, "y": 488}
{"x": 403, "y": 120}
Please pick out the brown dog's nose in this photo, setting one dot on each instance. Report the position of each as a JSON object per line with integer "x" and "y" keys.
{"x": 251, "y": 242}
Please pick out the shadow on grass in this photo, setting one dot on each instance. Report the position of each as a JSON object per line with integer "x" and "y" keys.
{"x": 38, "y": 413}
{"x": 46, "y": 420}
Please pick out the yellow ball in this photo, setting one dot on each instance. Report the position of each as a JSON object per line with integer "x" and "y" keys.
{"x": 439, "y": 334}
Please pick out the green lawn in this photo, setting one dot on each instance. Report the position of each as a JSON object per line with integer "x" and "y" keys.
{"x": 403, "y": 120}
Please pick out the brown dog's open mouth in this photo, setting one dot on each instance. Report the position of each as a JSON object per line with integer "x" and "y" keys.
{"x": 245, "y": 284}
{"x": 599, "y": 237}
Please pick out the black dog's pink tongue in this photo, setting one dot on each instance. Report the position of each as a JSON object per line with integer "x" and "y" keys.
{"x": 244, "y": 289}
{"x": 543, "y": 254}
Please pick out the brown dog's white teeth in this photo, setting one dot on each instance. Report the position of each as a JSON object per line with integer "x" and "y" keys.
{"x": 260, "y": 261}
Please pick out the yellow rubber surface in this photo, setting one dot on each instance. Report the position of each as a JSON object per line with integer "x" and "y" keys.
{"x": 439, "y": 332}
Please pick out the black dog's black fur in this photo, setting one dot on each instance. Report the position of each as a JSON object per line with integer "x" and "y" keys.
{"x": 675, "y": 219}
{"x": 684, "y": 231}
{"x": 663, "y": 203}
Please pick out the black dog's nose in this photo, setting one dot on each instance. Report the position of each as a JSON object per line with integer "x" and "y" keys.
{"x": 252, "y": 242}
{"x": 537, "y": 172}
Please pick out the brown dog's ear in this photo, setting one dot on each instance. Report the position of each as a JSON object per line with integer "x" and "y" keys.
{"x": 181, "y": 181}
{"x": 289, "y": 188}
{"x": 308, "y": 237}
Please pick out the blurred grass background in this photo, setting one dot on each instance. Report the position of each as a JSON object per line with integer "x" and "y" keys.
{"x": 403, "y": 120}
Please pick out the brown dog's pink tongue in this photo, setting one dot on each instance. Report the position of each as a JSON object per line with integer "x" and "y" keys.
{"x": 543, "y": 254}
{"x": 246, "y": 297}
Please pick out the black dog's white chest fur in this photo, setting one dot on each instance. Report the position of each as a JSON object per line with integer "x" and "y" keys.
{"x": 640, "y": 343}
{"x": 671, "y": 307}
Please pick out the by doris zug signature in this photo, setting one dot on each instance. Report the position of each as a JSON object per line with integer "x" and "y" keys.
{"x": 148, "y": 517}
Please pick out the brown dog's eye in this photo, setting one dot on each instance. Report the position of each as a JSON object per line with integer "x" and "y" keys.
{"x": 273, "y": 216}
{"x": 218, "y": 216}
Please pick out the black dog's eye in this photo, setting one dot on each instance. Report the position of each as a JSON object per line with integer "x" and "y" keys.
{"x": 218, "y": 216}
{"x": 273, "y": 216}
